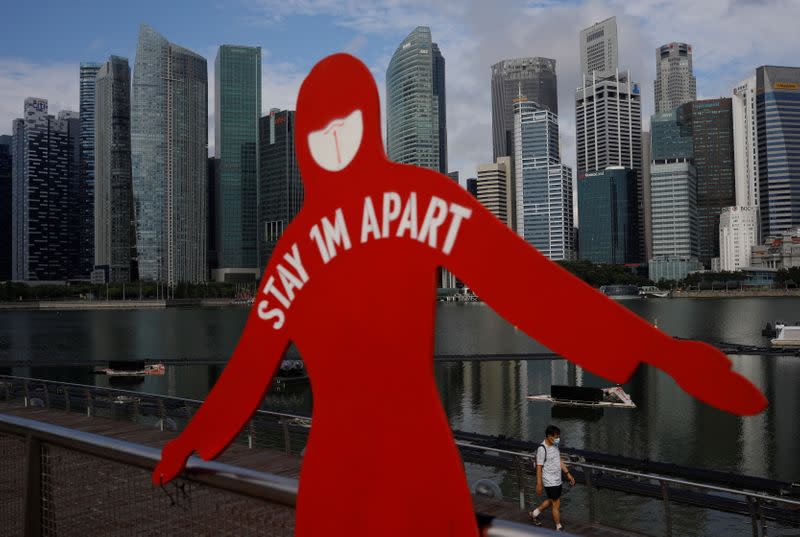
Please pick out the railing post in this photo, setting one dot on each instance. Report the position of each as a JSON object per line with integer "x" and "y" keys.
{"x": 587, "y": 472}
{"x": 667, "y": 514}
{"x": 762, "y": 518}
{"x": 27, "y": 394}
{"x": 753, "y": 516}
{"x": 46, "y": 395}
{"x": 161, "y": 412}
{"x": 286, "y": 440}
{"x": 251, "y": 431}
{"x": 89, "y": 403}
{"x": 520, "y": 481}
{"x": 33, "y": 488}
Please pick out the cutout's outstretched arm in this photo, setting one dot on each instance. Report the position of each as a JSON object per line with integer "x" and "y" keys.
{"x": 233, "y": 400}
{"x": 579, "y": 323}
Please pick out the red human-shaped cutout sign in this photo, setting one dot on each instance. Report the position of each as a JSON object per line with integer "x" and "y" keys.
{"x": 381, "y": 458}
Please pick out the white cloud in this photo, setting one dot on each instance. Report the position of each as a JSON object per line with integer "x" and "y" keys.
{"x": 56, "y": 82}
{"x": 729, "y": 37}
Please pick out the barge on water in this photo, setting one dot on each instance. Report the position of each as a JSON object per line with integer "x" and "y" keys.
{"x": 584, "y": 396}
{"x": 130, "y": 368}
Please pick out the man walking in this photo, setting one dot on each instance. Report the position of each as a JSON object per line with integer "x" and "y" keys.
{"x": 548, "y": 473}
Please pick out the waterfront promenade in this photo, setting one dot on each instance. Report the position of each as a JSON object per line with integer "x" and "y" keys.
{"x": 86, "y": 485}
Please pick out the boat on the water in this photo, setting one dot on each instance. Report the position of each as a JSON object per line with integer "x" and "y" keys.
{"x": 130, "y": 368}
{"x": 786, "y": 336}
{"x": 651, "y": 291}
{"x": 770, "y": 330}
{"x": 620, "y": 292}
{"x": 584, "y": 396}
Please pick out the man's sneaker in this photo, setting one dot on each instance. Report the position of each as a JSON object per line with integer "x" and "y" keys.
{"x": 560, "y": 528}
{"x": 537, "y": 520}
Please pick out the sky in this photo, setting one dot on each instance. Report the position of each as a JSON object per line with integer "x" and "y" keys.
{"x": 41, "y": 48}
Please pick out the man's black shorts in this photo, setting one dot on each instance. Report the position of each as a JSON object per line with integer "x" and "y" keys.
{"x": 553, "y": 493}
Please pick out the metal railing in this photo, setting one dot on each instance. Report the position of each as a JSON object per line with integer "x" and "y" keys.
{"x": 289, "y": 432}
{"x": 56, "y": 481}
{"x": 757, "y": 505}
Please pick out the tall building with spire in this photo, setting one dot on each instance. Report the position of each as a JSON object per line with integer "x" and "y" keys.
{"x": 675, "y": 83}
{"x": 169, "y": 156}
{"x": 416, "y": 126}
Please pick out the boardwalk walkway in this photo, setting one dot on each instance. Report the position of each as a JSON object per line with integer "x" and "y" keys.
{"x": 262, "y": 459}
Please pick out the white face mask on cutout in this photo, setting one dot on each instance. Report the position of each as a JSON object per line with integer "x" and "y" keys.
{"x": 335, "y": 146}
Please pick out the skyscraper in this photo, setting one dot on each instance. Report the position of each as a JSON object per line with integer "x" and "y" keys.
{"x": 599, "y": 49}
{"x": 43, "y": 154}
{"x": 440, "y": 94}
{"x": 415, "y": 98}
{"x": 238, "y": 109}
{"x": 609, "y": 219}
{"x": 738, "y": 232}
{"x": 745, "y": 142}
{"x": 494, "y": 185}
{"x": 647, "y": 214}
{"x": 82, "y": 190}
{"x": 5, "y": 208}
{"x": 712, "y": 139}
{"x": 212, "y": 184}
{"x": 543, "y": 183}
{"x": 609, "y": 129}
{"x": 114, "y": 235}
{"x": 740, "y": 224}
{"x": 675, "y": 83}
{"x": 778, "y": 128}
{"x": 472, "y": 186}
{"x": 169, "y": 139}
{"x": 673, "y": 194}
{"x": 535, "y": 78}
{"x": 280, "y": 189}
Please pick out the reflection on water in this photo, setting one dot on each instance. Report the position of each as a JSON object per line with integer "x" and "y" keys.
{"x": 484, "y": 397}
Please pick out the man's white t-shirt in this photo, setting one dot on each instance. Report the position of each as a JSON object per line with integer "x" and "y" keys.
{"x": 551, "y": 465}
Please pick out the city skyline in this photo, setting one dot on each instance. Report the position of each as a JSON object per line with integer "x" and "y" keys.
{"x": 372, "y": 31}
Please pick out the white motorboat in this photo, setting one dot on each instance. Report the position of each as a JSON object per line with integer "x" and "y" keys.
{"x": 651, "y": 291}
{"x": 786, "y": 336}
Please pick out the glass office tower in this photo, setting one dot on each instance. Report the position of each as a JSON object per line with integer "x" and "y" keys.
{"x": 169, "y": 154}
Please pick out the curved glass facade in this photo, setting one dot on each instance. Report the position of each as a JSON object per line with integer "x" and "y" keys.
{"x": 415, "y": 102}
{"x": 169, "y": 139}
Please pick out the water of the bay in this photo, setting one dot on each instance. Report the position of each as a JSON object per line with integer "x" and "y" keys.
{"x": 484, "y": 397}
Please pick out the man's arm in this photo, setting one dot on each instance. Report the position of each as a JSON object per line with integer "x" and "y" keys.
{"x": 231, "y": 403}
{"x": 565, "y": 469}
{"x": 578, "y": 322}
{"x": 538, "y": 478}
